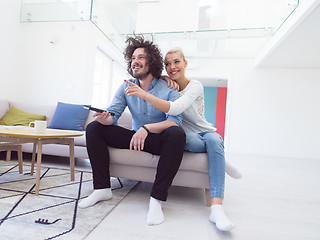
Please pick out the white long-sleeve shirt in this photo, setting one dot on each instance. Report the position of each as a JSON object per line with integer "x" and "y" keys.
{"x": 191, "y": 105}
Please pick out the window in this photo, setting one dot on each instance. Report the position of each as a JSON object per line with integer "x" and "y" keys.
{"x": 108, "y": 77}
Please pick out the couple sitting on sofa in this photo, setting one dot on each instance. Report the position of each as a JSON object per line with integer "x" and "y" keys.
{"x": 157, "y": 113}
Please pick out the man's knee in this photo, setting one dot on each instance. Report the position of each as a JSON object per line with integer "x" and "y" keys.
{"x": 175, "y": 133}
{"x": 93, "y": 128}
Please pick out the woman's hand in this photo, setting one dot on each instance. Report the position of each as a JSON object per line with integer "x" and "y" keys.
{"x": 103, "y": 118}
{"x": 138, "y": 139}
{"x": 171, "y": 83}
{"x": 135, "y": 90}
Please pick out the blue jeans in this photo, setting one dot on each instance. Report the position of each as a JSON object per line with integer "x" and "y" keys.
{"x": 212, "y": 144}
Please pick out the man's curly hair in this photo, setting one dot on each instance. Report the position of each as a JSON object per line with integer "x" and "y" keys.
{"x": 154, "y": 56}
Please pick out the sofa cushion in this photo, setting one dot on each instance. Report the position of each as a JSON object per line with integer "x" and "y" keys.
{"x": 69, "y": 117}
{"x": 5, "y": 127}
{"x": 80, "y": 141}
{"x": 125, "y": 119}
{"x": 17, "y": 117}
{"x": 47, "y": 110}
{"x": 191, "y": 161}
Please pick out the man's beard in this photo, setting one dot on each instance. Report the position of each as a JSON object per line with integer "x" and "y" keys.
{"x": 140, "y": 75}
{"x": 143, "y": 74}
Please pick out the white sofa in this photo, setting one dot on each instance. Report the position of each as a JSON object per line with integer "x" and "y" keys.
{"x": 124, "y": 163}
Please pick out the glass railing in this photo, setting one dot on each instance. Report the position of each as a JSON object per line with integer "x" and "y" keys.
{"x": 55, "y": 10}
{"x": 204, "y": 27}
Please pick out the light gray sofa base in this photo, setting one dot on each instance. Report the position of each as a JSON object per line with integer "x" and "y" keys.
{"x": 140, "y": 166}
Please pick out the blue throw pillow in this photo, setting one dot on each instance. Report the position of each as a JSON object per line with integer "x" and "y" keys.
{"x": 69, "y": 117}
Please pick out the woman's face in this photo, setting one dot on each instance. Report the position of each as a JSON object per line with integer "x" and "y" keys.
{"x": 175, "y": 65}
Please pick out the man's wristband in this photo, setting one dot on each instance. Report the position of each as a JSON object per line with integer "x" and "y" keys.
{"x": 145, "y": 128}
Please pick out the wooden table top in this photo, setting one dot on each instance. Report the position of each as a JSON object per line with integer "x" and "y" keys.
{"x": 49, "y": 133}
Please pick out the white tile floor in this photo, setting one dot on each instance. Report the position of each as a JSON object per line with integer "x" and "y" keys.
{"x": 278, "y": 198}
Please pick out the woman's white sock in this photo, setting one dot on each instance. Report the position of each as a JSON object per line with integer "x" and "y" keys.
{"x": 232, "y": 171}
{"x": 218, "y": 217}
{"x": 155, "y": 214}
{"x": 96, "y": 196}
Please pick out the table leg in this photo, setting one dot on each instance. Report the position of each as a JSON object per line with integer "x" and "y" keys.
{"x": 71, "y": 149}
{"x": 33, "y": 157}
{"x": 8, "y": 158}
{"x": 20, "y": 159}
{"x": 208, "y": 197}
{"x": 39, "y": 155}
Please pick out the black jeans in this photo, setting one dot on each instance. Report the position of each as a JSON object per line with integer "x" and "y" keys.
{"x": 169, "y": 144}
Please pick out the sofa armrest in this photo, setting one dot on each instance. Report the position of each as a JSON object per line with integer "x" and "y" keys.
{"x": 4, "y": 107}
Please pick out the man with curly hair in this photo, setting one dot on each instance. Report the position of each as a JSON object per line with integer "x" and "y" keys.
{"x": 152, "y": 130}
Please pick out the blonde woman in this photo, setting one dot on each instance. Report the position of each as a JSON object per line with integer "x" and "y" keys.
{"x": 201, "y": 135}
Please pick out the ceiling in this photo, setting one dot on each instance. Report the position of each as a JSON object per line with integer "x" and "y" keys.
{"x": 203, "y": 28}
{"x": 301, "y": 48}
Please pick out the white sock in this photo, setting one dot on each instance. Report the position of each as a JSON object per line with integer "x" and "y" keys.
{"x": 218, "y": 217}
{"x": 232, "y": 171}
{"x": 155, "y": 214}
{"x": 96, "y": 196}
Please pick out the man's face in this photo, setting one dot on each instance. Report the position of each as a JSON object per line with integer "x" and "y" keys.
{"x": 139, "y": 66}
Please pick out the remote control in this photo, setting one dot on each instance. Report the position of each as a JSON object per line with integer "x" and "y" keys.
{"x": 96, "y": 109}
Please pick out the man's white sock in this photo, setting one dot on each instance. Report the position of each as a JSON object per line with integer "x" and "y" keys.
{"x": 232, "y": 171}
{"x": 220, "y": 219}
{"x": 155, "y": 214}
{"x": 96, "y": 196}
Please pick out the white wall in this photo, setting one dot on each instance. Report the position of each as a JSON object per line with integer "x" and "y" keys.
{"x": 35, "y": 70}
{"x": 9, "y": 46}
{"x": 270, "y": 111}
{"x": 274, "y": 112}
{"x": 58, "y": 71}
{"x": 209, "y": 70}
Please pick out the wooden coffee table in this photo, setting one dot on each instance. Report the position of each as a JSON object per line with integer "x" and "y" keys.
{"x": 51, "y": 136}
{"x": 7, "y": 146}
